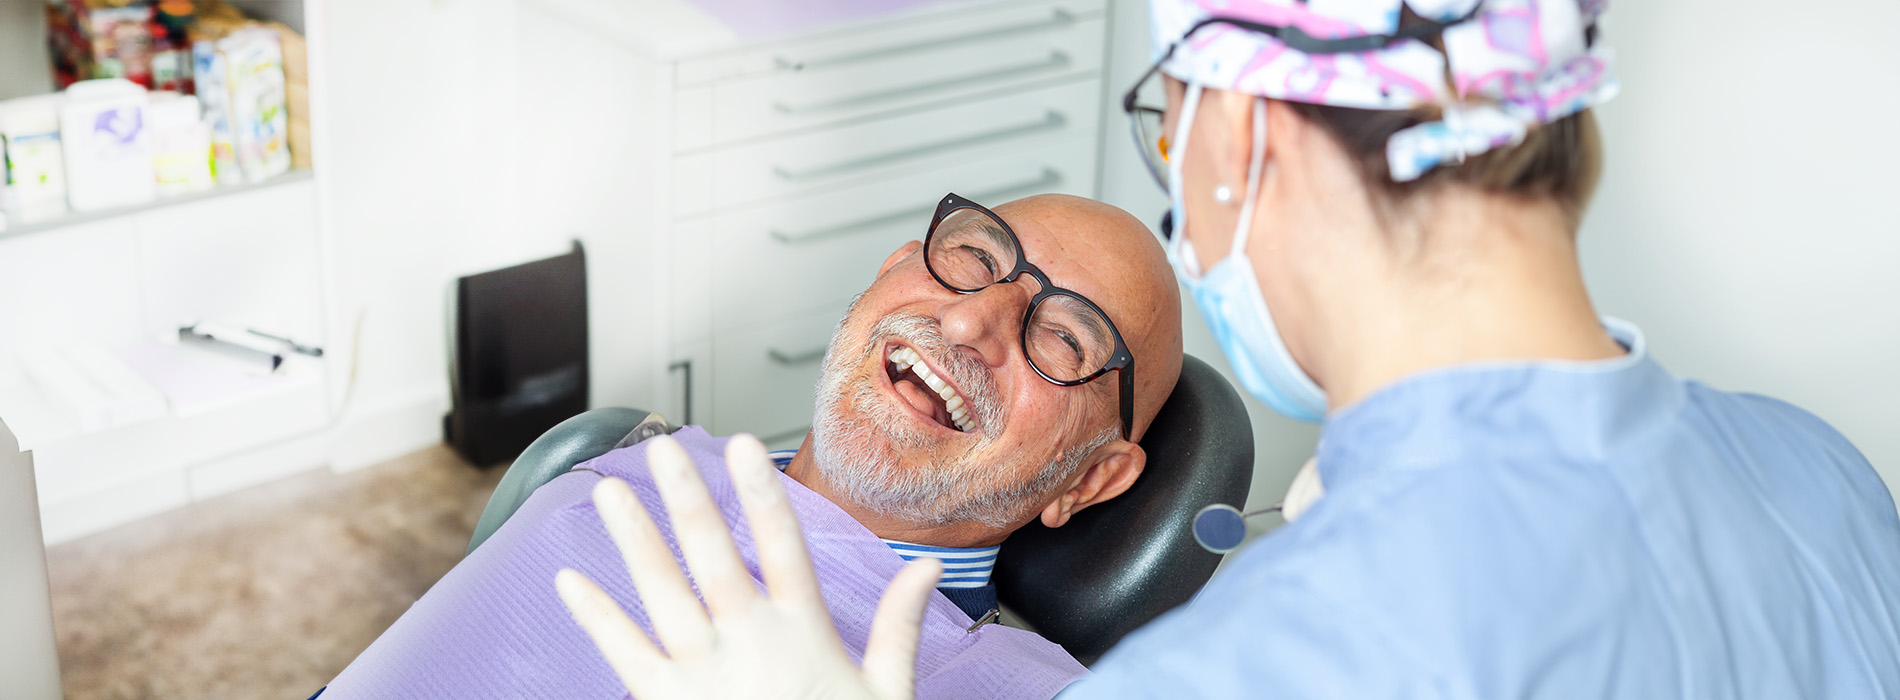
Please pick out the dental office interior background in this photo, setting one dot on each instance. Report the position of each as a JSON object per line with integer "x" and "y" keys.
{"x": 1745, "y": 220}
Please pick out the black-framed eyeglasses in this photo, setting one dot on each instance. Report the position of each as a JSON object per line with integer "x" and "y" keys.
{"x": 1145, "y": 120}
{"x": 1067, "y": 338}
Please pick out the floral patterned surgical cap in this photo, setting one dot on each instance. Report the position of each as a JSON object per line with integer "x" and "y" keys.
{"x": 1513, "y": 64}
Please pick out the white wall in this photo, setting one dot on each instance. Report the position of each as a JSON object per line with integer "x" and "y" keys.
{"x": 24, "y": 66}
{"x": 1746, "y": 218}
{"x": 417, "y": 151}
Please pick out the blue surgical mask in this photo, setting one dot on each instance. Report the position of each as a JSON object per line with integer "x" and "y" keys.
{"x": 1229, "y": 294}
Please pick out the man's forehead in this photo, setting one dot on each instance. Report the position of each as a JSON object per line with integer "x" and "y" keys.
{"x": 1074, "y": 247}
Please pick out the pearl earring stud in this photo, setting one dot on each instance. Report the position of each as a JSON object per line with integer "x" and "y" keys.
{"x": 1223, "y": 194}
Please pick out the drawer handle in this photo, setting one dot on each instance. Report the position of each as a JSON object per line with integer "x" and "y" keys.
{"x": 1047, "y": 178}
{"x": 796, "y": 358}
{"x": 686, "y": 397}
{"x": 1050, "y": 121}
{"x": 1057, "y": 17}
{"x": 1056, "y": 60}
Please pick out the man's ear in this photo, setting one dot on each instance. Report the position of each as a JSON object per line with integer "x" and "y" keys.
{"x": 903, "y": 251}
{"x": 1115, "y": 467}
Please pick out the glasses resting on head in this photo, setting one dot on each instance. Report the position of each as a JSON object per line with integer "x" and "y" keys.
{"x": 1066, "y": 338}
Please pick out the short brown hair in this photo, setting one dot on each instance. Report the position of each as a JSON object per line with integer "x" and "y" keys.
{"x": 1562, "y": 159}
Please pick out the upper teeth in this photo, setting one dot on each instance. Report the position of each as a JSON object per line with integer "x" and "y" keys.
{"x": 906, "y": 359}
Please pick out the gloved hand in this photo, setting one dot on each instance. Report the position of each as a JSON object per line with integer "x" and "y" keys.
{"x": 740, "y": 644}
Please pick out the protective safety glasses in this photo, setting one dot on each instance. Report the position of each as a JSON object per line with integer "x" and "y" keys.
{"x": 1067, "y": 338}
{"x": 1145, "y": 119}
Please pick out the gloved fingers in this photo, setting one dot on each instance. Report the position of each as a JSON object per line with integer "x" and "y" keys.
{"x": 679, "y": 620}
{"x": 890, "y": 656}
{"x": 621, "y": 642}
{"x": 783, "y": 559}
{"x": 700, "y": 530}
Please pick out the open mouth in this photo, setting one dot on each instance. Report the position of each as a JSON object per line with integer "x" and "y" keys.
{"x": 925, "y": 391}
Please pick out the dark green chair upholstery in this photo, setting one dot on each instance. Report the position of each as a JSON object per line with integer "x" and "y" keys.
{"x": 571, "y": 442}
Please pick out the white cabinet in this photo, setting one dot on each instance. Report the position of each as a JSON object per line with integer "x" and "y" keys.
{"x": 766, "y": 180}
{"x": 824, "y": 248}
{"x": 763, "y": 375}
{"x": 818, "y": 83}
{"x": 958, "y": 132}
{"x": 249, "y": 257}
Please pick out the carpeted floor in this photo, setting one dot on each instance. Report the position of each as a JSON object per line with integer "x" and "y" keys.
{"x": 265, "y": 593}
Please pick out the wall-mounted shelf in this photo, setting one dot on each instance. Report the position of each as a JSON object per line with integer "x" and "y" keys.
{"x": 249, "y": 256}
{"x": 76, "y": 218}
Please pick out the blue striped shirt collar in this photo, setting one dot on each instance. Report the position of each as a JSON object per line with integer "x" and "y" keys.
{"x": 963, "y": 567}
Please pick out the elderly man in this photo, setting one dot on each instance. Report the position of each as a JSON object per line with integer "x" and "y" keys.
{"x": 1000, "y": 371}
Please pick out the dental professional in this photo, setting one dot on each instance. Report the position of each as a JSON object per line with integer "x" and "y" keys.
{"x": 1375, "y": 206}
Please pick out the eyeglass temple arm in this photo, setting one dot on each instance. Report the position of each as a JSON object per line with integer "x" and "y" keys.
{"x": 1128, "y": 400}
{"x": 1128, "y": 98}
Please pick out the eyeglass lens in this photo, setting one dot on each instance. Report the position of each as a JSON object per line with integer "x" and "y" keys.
{"x": 1065, "y": 337}
{"x": 1151, "y": 141}
{"x": 1145, "y": 103}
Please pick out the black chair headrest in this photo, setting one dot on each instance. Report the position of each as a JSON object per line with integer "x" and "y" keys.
{"x": 1117, "y": 565}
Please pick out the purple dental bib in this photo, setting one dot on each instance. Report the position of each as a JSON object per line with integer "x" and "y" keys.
{"x": 493, "y": 627}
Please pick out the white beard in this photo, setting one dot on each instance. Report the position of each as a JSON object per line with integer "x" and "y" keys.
{"x": 870, "y": 455}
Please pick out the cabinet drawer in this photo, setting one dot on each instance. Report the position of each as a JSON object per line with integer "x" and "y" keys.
{"x": 823, "y": 249}
{"x": 886, "y": 148}
{"x": 764, "y": 379}
{"x": 1052, "y": 45}
{"x": 963, "y": 22}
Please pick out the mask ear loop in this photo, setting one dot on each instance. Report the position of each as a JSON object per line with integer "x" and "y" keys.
{"x": 1177, "y": 150}
{"x": 1255, "y": 165}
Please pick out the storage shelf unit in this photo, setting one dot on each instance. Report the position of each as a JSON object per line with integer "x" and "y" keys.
{"x": 72, "y": 219}
{"x": 249, "y": 255}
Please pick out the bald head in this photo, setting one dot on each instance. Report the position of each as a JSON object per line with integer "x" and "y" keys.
{"x": 934, "y": 425}
{"x": 1109, "y": 256}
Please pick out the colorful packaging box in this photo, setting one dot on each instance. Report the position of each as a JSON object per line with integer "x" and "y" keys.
{"x": 130, "y": 39}
{"x": 181, "y": 144}
{"x": 32, "y": 164}
{"x": 245, "y": 96}
{"x": 209, "y": 66}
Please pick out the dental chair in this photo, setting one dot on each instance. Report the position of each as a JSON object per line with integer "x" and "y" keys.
{"x": 1114, "y": 567}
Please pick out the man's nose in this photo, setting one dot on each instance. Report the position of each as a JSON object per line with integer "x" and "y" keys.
{"x": 988, "y": 322}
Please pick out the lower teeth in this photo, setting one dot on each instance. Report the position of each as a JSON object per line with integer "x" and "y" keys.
{"x": 904, "y": 362}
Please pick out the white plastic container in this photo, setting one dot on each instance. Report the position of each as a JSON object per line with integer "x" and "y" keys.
{"x": 181, "y": 144}
{"x": 33, "y": 177}
{"x": 108, "y": 145}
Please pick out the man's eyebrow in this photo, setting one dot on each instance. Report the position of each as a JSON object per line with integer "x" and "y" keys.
{"x": 1099, "y": 330}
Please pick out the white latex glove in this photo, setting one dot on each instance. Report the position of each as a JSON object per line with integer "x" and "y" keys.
{"x": 779, "y": 644}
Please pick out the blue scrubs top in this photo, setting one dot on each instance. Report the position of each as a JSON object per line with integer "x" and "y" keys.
{"x": 1552, "y": 530}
